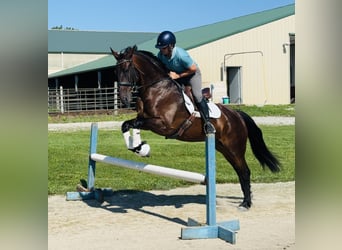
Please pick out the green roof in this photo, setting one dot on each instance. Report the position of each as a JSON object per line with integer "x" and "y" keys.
{"x": 195, "y": 37}
{"x": 73, "y": 41}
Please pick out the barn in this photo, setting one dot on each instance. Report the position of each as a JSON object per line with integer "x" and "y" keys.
{"x": 245, "y": 60}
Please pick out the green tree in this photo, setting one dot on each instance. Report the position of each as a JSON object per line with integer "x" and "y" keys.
{"x": 60, "y": 27}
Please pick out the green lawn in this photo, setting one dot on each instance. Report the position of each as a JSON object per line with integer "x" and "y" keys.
{"x": 68, "y": 160}
{"x": 267, "y": 110}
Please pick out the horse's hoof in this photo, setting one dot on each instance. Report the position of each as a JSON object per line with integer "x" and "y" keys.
{"x": 144, "y": 150}
{"x": 243, "y": 209}
{"x": 245, "y": 205}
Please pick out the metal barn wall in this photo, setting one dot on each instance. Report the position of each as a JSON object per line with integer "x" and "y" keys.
{"x": 265, "y": 79}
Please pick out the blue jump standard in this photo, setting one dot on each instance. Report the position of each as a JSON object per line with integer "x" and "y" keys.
{"x": 223, "y": 230}
{"x": 91, "y": 192}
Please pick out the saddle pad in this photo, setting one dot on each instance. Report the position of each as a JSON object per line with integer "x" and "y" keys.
{"x": 214, "y": 111}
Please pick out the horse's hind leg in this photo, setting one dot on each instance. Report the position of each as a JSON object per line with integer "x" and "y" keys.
{"x": 244, "y": 174}
{"x": 241, "y": 168}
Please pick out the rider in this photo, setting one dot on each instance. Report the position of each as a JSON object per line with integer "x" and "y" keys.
{"x": 184, "y": 70}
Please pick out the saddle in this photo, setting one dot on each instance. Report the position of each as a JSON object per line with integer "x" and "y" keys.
{"x": 214, "y": 111}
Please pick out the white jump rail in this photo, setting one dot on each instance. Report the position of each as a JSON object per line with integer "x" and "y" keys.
{"x": 149, "y": 168}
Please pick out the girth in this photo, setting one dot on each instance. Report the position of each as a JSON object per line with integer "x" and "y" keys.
{"x": 185, "y": 125}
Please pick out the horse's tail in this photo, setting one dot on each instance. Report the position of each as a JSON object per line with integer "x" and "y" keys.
{"x": 259, "y": 148}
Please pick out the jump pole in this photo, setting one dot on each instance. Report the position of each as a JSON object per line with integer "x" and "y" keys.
{"x": 212, "y": 229}
{"x": 149, "y": 168}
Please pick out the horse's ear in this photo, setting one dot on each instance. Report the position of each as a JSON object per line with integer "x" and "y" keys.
{"x": 132, "y": 50}
{"x": 115, "y": 54}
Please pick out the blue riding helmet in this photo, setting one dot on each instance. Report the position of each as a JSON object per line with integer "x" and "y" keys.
{"x": 164, "y": 39}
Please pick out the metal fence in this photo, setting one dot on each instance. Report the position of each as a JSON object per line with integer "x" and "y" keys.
{"x": 87, "y": 99}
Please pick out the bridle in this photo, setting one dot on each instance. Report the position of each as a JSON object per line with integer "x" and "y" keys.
{"x": 126, "y": 84}
{"x": 123, "y": 61}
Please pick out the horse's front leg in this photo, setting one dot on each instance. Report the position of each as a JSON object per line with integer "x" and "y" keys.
{"x": 133, "y": 141}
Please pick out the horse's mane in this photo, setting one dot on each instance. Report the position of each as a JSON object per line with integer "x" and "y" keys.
{"x": 155, "y": 60}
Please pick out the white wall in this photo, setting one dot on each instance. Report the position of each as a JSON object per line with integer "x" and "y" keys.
{"x": 60, "y": 61}
{"x": 265, "y": 79}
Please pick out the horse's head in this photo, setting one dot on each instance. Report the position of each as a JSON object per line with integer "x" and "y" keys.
{"x": 137, "y": 68}
{"x": 126, "y": 73}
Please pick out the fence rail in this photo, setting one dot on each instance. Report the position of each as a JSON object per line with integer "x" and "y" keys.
{"x": 87, "y": 99}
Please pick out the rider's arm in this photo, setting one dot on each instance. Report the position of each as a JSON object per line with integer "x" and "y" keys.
{"x": 188, "y": 72}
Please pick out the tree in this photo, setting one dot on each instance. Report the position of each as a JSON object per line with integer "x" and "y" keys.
{"x": 60, "y": 27}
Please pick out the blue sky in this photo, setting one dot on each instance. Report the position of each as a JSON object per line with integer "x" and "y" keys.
{"x": 150, "y": 15}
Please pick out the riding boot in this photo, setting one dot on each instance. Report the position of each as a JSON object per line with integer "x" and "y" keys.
{"x": 204, "y": 111}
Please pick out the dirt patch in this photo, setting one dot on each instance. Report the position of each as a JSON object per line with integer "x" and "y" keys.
{"x": 153, "y": 220}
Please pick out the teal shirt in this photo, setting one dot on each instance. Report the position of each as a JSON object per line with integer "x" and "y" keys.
{"x": 179, "y": 62}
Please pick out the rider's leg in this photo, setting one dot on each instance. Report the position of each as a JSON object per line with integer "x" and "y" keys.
{"x": 204, "y": 111}
{"x": 202, "y": 105}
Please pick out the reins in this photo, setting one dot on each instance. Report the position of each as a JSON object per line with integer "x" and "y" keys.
{"x": 145, "y": 86}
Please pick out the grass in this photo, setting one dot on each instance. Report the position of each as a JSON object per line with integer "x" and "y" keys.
{"x": 92, "y": 116}
{"x": 267, "y": 110}
{"x": 68, "y": 160}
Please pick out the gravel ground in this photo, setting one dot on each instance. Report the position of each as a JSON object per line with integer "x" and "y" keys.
{"x": 153, "y": 220}
{"x": 269, "y": 120}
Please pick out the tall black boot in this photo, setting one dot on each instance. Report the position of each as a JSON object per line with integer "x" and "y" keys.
{"x": 204, "y": 110}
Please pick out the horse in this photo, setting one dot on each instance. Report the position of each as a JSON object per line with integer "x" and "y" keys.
{"x": 161, "y": 109}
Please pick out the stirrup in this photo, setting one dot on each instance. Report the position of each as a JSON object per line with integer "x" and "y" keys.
{"x": 209, "y": 128}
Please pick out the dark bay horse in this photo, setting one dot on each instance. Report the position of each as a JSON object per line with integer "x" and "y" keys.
{"x": 161, "y": 109}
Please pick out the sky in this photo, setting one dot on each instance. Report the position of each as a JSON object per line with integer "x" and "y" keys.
{"x": 150, "y": 15}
